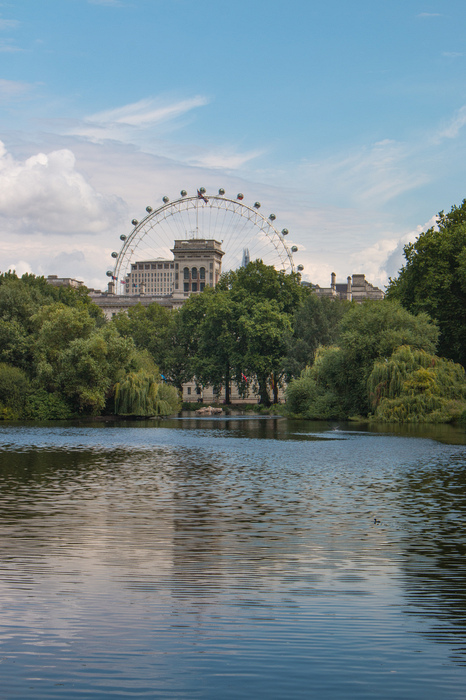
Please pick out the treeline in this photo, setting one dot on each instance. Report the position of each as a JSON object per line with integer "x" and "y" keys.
{"x": 400, "y": 359}
{"x": 60, "y": 359}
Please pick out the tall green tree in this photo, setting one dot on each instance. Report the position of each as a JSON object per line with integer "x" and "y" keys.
{"x": 264, "y": 282}
{"x": 433, "y": 280}
{"x": 216, "y": 342}
{"x": 315, "y": 323}
{"x": 238, "y": 331}
{"x": 263, "y": 330}
{"x": 151, "y": 328}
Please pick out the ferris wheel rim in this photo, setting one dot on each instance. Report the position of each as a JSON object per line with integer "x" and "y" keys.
{"x": 182, "y": 204}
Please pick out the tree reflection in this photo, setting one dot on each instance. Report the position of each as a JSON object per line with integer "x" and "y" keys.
{"x": 435, "y": 552}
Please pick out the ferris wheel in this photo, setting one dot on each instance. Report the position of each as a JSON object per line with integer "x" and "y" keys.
{"x": 243, "y": 232}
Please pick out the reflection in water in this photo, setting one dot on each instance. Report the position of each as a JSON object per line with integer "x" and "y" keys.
{"x": 231, "y": 558}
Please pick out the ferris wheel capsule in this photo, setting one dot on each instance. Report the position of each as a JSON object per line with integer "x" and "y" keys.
{"x": 109, "y": 273}
{"x": 153, "y": 234}
{"x": 114, "y": 254}
{"x": 272, "y": 217}
{"x": 294, "y": 249}
{"x": 165, "y": 199}
{"x": 300, "y": 268}
{"x": 285, "y": 232}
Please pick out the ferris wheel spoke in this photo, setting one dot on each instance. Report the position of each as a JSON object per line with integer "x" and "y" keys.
{"x": 231, "y": 222}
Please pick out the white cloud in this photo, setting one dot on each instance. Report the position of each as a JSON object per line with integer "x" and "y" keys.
{"x": 223, "y": 158}
{"x": 127, "y": 123}
{"x": 8, "y": 24}
{"x": 385, "y": 258}
{"x": 46, "y": 193}
{"x": 370, "y": 176}
{"x": 11, "y": 89}
{"x": 452, "y": 54}
{"x": 7, "y": 46}
{"x": 452, "y": 130}
{"x": 21, "y": 268}
{"x": 429, "y": 14}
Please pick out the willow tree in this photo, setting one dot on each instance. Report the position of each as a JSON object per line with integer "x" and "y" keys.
{"x": 139, "y": 394}
{"x": 414, "y": 386}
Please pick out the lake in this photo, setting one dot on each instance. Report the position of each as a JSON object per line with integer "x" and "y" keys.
{"x": 232, "y": 558}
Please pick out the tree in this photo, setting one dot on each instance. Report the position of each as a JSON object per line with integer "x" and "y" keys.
{"x": 151, "y": 328}
{"x": 142, "y": 394}
{"x": 367, "y": 332}
{"x": 315, "y": 324}
{"x": 433, "y": 280}
{"x": 14, "y": 390}
{"x": 263, "y": 330}
{"x": 262, "y": 282}
{"x": 236, "y": 330}
{"x": 415, "y": 386}
{"x": 213, "y": 326}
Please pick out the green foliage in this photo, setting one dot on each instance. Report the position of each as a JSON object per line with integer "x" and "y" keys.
{"x": 315, "y": 324}
{"x": 42, "y": 405}
{"x": 315, "y": 394}
{"x": 433, "y": 280}
{"x": 57, "y": 326}
{"x": 15, "y": 344}
{"x": 373, "y": 330}
{"x": 240, "y": 329}
{"x": 263, "y": 282}
{"x": 416, "y": 386}
{"x": 14, "y": 389}
{"x": 152, "y": 328}
{"x": 263, "y": 331}
{"x": 168, "y": 400}
{"x": 139, "y": 394}
{"x": 337, "y": 382}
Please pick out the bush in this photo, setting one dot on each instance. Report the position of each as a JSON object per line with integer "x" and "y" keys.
{"x": 14, "y": 389}
{"x": 42, "y": 405}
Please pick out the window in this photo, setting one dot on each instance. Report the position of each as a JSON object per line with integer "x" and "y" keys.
{"x": 194, "y": 287}
{"x": 189, "y": 390}
{"x": 194, "y": 273}
{"x": 202, "y": 273}
{"x": 201, "y": 286}
{"x": 186, "y": 273}
{"x": 186, "y": 286}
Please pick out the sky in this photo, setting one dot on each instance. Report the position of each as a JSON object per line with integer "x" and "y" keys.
{"x": 346, "y": 118}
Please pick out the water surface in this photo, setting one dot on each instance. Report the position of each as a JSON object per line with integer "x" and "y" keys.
{"x": 232, "y": 558}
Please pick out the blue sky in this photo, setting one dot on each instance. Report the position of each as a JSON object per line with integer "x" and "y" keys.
{"x": 345, "y": 117}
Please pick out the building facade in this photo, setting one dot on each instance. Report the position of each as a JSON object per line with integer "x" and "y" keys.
{"x": 356, "y": 288}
